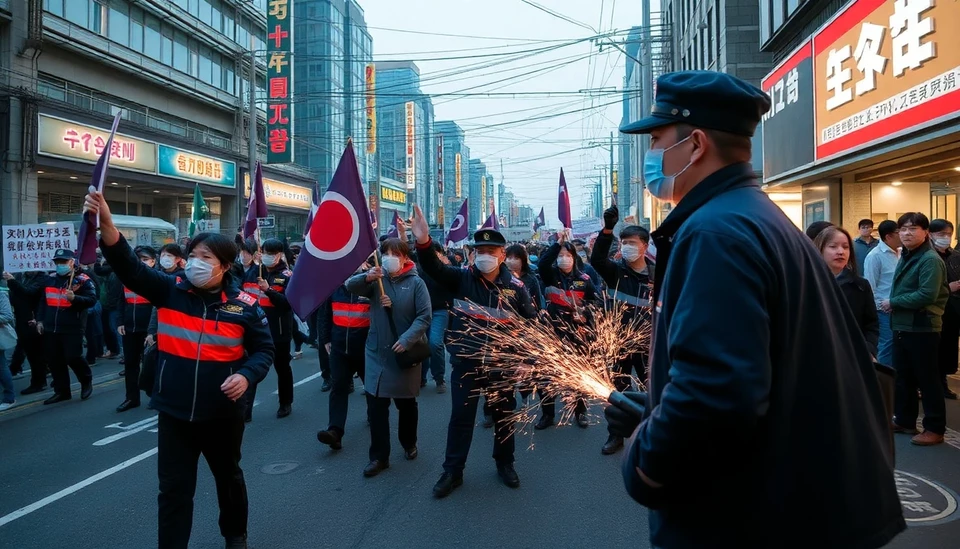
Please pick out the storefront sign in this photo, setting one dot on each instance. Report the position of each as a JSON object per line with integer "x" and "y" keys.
{"x": 371, "y": 106}
{"x": 388, "y": 194}
{"x": 614, "y": 186}
{"x": 191, "y": 166}
{"x": 374, "y": 210}
{"x": 282, "y": 194}
{"x": 279, "y": 81}
{"x": 411, "y": 146}
{"x": 788, "y": 127}
{"x": 31, "y": 247}
{"x": 456, "y": 174}
{"x": 61, "y": 138}
{"x": 885, "y": 68}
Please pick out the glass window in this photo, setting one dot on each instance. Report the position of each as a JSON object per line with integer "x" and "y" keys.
{"x": 194, "y": 8}
{"x": 54, "y": 6}
{"x": 229, "y": 80}
{"x": 96, "y": 17}
{"x": 777, "y": 12}
{"x": 182, "y": 3}
{"x": 166, "y": 53}
{"x": 194, "y": 64}
{"x": 205, "y": 11}
{"x": 228, "y": 25}
{"x": 78, "y": 12}
{"x": 181, "y": 53}
{"x": 792, "y": 6}
{"x": 151, "y": 37}
{"x": 118, "y": 22}
{"x": 206, "y": 66}
{"x": 764, "y": 20}
{"x": 136, "y": 36}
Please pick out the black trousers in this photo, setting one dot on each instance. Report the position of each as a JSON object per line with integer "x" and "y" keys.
{"x": 180, "y": 445}
{"x": 65, "y": 350}
{"x": 30, "y": 347}
{"x": 624, "y": 370}
{"x": 132, "y": 355}
{"x": 281, "y": 363}
{"x": 949, "y": 349}
{"x": 915, "y": 360}
{"x": 465, "y": 390}
{"x": 548, "y": 405}
{"x": 378, "y": 410}
{"x": 342, "y": 368}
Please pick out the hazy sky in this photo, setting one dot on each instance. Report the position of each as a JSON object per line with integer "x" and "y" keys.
{"x": 532, "y": 151}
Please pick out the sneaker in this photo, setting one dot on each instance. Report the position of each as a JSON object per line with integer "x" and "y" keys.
{"x": 927, "y": 438}
{"x": 7, "y": 405}
{"x": 441, "y": 387}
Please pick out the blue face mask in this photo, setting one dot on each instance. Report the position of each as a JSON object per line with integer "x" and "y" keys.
{"x": 659, "y": 184}
{"x": 63, "y": 269}
{"x": 534, "y": 258}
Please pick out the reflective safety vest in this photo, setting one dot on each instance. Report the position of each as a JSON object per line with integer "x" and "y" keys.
{"x": 479, "y": 312}
{"x": 568, "y": 299}
{"x": 264, "y": 298}
{"x": 351, "y": 315}
{"x": 55, "y": 297}
{"x": 132, "y": 298}
{"x": 193, "y": 338}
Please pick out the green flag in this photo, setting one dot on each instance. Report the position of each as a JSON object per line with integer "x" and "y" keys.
{"x": 200, "y": 210}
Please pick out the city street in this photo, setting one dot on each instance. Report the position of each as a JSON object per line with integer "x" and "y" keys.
{"x": 80, "y": 475}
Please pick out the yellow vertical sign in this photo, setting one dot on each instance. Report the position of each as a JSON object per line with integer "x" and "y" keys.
{"x": 371, "y": 108}
{"x": 483, "y": 196}
{"x": 456, "y": 176}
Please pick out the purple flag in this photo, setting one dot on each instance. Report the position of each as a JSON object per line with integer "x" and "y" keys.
{"x": 256, "y": 206}
{"x": 393, "y": 231}
{"x": 540, "y": 221}
{"x": 340, "y": 240}
{"x": 314, "y": 204}
{"x": 459, "y": 228}
{"x": 87, "y": 239}
{"x": 563, "y": 203}
{"x": 492, "y": 222}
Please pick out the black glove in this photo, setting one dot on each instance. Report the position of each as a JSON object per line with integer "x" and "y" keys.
{"x": 625, "y": 412}
{"x": 610, "y": 217}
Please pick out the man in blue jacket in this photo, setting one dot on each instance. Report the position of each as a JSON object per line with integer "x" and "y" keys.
{"x": 764, "y": 424}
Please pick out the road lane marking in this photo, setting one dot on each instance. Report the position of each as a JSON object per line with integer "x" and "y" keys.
{"x": 24, "y": 511}
{"x": 127, "y": 431}
{"x": 307, "y": 379}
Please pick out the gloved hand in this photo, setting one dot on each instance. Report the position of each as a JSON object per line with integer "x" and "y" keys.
{"x": 610, "y": 217}
{"x": 625, "y": 412}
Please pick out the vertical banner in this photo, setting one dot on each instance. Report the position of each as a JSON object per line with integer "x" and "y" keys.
{"x": 279, "y": 82}
{"x": 456, "y": 174}
{"x": 440, "y": 220}
{"x": 483, "y": 196}
{"x": 371, "y": 106}
{"x": 411, "y": 145}
{"x": 614, "y": 185}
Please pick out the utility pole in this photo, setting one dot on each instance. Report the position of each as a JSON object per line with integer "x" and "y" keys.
{"x": 613, "y": 192}
{"x": 252, "y": 129}
{"x": 646, "y": 90}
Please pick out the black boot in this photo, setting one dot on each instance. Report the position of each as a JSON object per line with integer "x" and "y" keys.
{"x": 284, "y": 411}
{"x": 612, "y": 446}
{"x": 544, "y": 423}
{"x": 57, "y": 397}
{"x": 128, "y": 405}
{"x": 508, "y": 475}
{"x": 330, "y": 437}
{"x": 447, "y": 484}
{"x": 375, "y": 467}
{"x": 236, "y": 542}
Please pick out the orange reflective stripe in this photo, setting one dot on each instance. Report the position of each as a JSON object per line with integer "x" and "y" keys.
{"x": 352, "y": 307}
{"x": 188, "y": 349}
{"x": 196, "y": 324}
{"x": 55, "y": 298}
{"x": 133, "y": 298}
{"x": 563, "y": 299}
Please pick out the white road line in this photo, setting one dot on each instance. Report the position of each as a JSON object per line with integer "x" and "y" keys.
{"x": 307, "y": 379}
{"x": 148, "y": 423}
{"x": 24, "y": 511}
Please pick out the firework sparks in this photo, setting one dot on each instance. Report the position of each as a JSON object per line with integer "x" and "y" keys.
{"x": 528, "y": 354}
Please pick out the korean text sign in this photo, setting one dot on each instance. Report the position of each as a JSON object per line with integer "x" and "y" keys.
{"x": 279, "y": 81}
{"x": 788, "y": 127}
{"x": 31, "y": 247}
{"x": 74, "y": 141}
{"x": 884, "y": 68}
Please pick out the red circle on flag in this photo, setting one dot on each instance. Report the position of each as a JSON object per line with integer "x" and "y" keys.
{"x": 337, "y": 227}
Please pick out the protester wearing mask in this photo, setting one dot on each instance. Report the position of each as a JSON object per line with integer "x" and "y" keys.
{"x": 272, "y": 284}
{"x": 61, "y": 320}
{"x": 171, "y": 260}
{"x": 135, "y": 311}
{"x": 941, "y": 235}
{"x": 519, "y": 266}
{"x": 213, "y": 343}
{"x": 629, "y": 282}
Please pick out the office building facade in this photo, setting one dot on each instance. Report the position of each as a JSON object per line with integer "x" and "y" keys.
{"x": 456, "y": 171}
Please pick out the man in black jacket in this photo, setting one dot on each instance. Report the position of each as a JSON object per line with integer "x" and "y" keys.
{"x": 26, "y": 291}
{"x": 756, "y": 358}
{"x": 486, "y": 292}
{"x": 629, "y": 283}
{"x": 440, "y": 300}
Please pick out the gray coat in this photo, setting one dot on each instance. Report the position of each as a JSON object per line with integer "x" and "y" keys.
{"x": 411, "y": 313}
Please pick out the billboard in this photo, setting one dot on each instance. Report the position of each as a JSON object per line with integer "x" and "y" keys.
{"x": 411, "y": 145}
{"x": 61, "y": 138}
{"x": 279, "y": 82}
{"x": 884, "y": 68}
{"x": 370, "y": 77}
{"x": 788, "y": 127}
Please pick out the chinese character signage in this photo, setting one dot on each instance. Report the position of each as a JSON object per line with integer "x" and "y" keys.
{"x": 279, "y": 81}
{"x": 72, "y": 141}
{"x": 614, "y": 186}
{"x": 371, "y": 107}
{"x": 483, "y": 196}
{"x": 788, "y": 127}
{"x": 183, "y": 164}
{"x": 456, "y": 173}
{"x": 374, "y": 210}
{"x": 31, "y": 247}
{"x": 440, "y": 166}
{"x": 884, "y": 68}
{"x": 396, "y": 196}
{"x": 278, "y": 193}
{"x": 411, "y": 145}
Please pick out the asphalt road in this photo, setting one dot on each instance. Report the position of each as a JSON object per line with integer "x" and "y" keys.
{"x": 79, "y": 475}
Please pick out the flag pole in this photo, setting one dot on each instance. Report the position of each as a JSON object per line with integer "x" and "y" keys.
{"x": 376, "y": 261}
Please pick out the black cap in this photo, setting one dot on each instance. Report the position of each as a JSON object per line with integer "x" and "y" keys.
{"x": 146, "y": 251}
{"x": 63, "y": 255}
{"x": 488, "y": 237}
{"x": 704, "y": 99}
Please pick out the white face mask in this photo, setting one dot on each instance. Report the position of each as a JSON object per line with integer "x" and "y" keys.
{"x": 941, "y": 242}
{"x": 199, "y": 272}
{"x": 565, "y": 263}
{"x": 514, "y": 264}
{"x": 391, "y": 263}
{"x": 487, "y": 263}
{"x": 167, "y": 261}
{"x": 269, "y": 260}
{"x": 629, "y": 252}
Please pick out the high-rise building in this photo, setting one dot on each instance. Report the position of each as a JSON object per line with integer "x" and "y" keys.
{"x": 456, "y": 171}
{"x": 407, "y": 150}
{"x": 478, "y": 188}
{"x": 332, "y": 48}
{"x": 176, "y": 71}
